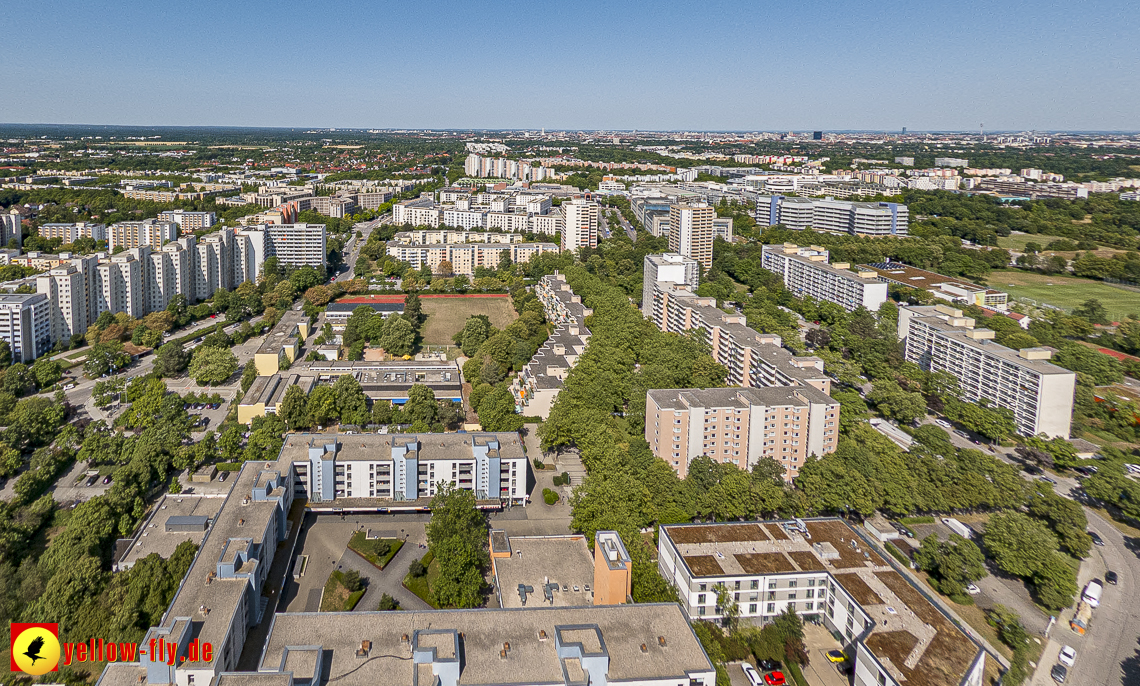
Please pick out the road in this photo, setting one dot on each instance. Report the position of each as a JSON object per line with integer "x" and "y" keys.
{"x": 352, "y": 247}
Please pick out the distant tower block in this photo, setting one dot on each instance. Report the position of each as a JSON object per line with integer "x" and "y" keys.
{"x": 613, "y": 582}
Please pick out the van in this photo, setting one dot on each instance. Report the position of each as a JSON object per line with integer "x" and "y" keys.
{"x": 1092, "y": 593}
{"x": 1081, "y": 618}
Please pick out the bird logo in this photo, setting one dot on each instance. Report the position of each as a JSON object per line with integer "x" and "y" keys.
{"x": 35, "y": 648}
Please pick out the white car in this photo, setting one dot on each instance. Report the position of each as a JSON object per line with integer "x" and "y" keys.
{"x": 1068, "y": 656}
{"x": 943, "y": 423}
{"x": 752, "y": 674}
{"x": 973, "y": 589}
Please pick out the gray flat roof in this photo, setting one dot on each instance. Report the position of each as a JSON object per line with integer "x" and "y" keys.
{"x": 681, "y": 398}
{"x": 375, "y": 447}
{"x": 532, "y": 658}
{"x": 537, "y": 560}
{"x": 153, "y": 537}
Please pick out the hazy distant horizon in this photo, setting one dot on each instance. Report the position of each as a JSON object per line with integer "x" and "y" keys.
{"x": 1011, "y": 65}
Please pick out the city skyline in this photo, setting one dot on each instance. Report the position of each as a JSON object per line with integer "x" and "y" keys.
{"x": 744, "y": 68}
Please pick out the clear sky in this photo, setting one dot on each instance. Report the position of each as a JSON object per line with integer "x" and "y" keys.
{"x": 697, "y": 65}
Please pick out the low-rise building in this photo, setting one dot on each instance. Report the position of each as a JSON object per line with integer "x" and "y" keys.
{"x": 266, "y": 393}
{"x": 741, "y": 426}
{"x": 536, "y": 387}
{"x": 943, "y": 287}
{"x": 823, "y": 570}
{"x": 1040, "y": 395}
{"x": 282, "y": 343}
{"x": 466, "y": 257}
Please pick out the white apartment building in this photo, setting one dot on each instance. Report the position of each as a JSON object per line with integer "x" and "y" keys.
{"x": 65, "y": 290}
{"x": 1040, "y": 395}
{"x": 148, "y": 232}
{"x": 549, "y": 224}
{"x": 438, "y": 236}
{"x": 419, "y": 212}
{"x": 69, "y": 233}
{"x": 508, "y": 221}
{"x": 740, "y": 426}
{"x": 822, "y": 569}
{"x": 189, "y": 221}
{"x": 668, "y": 269}
{"x": 465, "y": 257}
{"x": 835, "y": 216}
{"x": 806, "y": 272}
{"x": 121, "y": 284}
{"x": 25, "y": 324}
{"x": 11, "y": 226}
{"x": 579, "y": 224}
{"x": 691, "y": 231}
{"x": 464, "y": 219}
{"x": 297, "y": 245}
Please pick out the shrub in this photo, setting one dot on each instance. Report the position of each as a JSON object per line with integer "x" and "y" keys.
{"x": 417, "y": 568}
{"x": 538, "y": 464}
{"x": 557, "y": 479}
{"x": 565, "y": 478}
{"x": 387, "y": 602}
{"x": 549, "y": 496}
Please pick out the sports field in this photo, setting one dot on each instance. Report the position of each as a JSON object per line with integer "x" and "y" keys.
{"x": 1066, "y": 292}
{"x": 446, "y": 315}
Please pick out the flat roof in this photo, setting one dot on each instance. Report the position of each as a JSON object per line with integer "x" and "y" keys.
{"x": 929, "y": 316}
{"x": 734, "y": 397}
{"x": 377, "y": 447}
{"x": 671, "y": 650}
{"x": 907, "y": 275}
{"x": 284, "y": 331}
{"x": 153, "y": 537}
{"x": 537, "y": 560}
{"x": 911, "y": 637}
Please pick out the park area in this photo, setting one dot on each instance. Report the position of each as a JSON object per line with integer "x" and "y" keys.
{"x": 446, "y": 314}
{"x": 1066, "y": 292}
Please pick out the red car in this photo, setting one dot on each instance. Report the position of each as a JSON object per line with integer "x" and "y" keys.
{"x": 775, "y": 679}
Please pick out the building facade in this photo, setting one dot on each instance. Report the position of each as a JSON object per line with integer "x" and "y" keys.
{"x": 69, "y": 233}
{"x": 25, "y": 324}
{"x": 691, "y": 231}
{"x": 834, "y": 216}
{"x": 149, "y": 232}
{"x": 806, "y": 273}
{"x": 579, "y": 224}
{"x": 1040, "y": 395}
{"x": 741, "y": 426}
{"x": 187, "y": 221}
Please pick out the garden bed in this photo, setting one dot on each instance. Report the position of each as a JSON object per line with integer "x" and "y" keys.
{"x": 378, "y": 551}
{"x": 338, "y": 597}
{"x": 421, "y": 585}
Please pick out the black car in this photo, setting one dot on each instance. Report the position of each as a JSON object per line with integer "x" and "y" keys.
{"x": 1059, "y": 672}
{"x": 1110, "y": 577}
{"x": 1032, "y": 469}
{"x": 767, "y": 665}
{"x": 107, "y": 479}
{"x": 1096, "y": 538}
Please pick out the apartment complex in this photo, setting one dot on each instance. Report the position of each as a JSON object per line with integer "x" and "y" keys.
{"x": 187, "y": 221}
{"x": 691, "y": 231}
{"x": 806, "y": 273}
{"x": 824, "y": 570}
{"x": 11, "y": 226}
{"x": 438, "y": 236}
{"x": 536, "y": 387}
{"x": 69, "y": 233}
{"x": 148, "y": 232}
{"x": 834, "y": 216}
{"x": 667, "y": 268}
{"x": 405, "y": 467}
{"x": 740, "y": 426}
{"x": 466, "y": 257}
{"x": 579, "y": 224}
{"x": 943, "y": 287}
{"x": 25, "y": 324}
{"x": 1040, "y": 395}
{"x": 512, "y": 209}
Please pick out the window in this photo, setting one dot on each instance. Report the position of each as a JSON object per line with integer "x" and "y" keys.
{"x": 752, "y": 609}
{"x": 771, "y": 585}
{"x": 882, "y": 679}
{"x": 701, "y": 611}
{"x": 737, "y": 586}
{"x": 755, "y": 584}
{"x": 771, "y": 608}
{"x": 792, "y": 583}
{"x": 701, "y": 587}
{"x": 700, "y": 599}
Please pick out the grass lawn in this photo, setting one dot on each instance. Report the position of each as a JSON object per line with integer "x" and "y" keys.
{"x": 378, "y": 551}
{"x": 446, "y": 316}
{"x": 421, "y": 585}
{"x": 1066, "y": 292}
{"x": 337, "y": 597}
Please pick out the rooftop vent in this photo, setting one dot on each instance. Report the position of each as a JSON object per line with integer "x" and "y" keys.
{"x": 661, "y": 641}
{"x": 542, "y": 634}
{"x": 644, "y": 648}
{"x": 365, "y": 648}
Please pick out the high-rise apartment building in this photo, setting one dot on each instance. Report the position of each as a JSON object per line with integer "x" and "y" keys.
{"x": 741, "y": 426}
{"x": 148, "y": 232}
{"x": 579, "y": 224}
{"x": 65, "y": 289}
{"x": 25, "y": 324}
{"x": 691, "y": 231}
{"x": 940, "y": 339}
{"x": 806, "y": 272}
{"x": 69, "y": 233}
{"x": 834, "y": 216}
{"x": 667, "y": 270}
{"x": 297, "y": 245}
{"x": 121, "y": 284}
{"x": 188, "y": 221}
{"x": 11, "y": 226}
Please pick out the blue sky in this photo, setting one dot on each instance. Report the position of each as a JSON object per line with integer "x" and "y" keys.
{"x": 757, "y": 65}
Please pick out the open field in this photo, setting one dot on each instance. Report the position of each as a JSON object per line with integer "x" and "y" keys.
{"x": 447, "y": 315}
{"x": 1066, "y": 292}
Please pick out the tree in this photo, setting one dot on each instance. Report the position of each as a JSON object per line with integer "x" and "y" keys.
{"x": 399, "y": 337}
{"x": 1100, "y": 369}
{"x": 5, "y": 354}
{"x": 457, "y": 537}
{"x": 388, "y": 603}
{"x": 497, "y": 411}
{"x": 104, "y": 358}
{"x": 421, "y": 405}
{"x": 954, "y": 563}
{"x": 46, "y": 372}
{"x": 322, "y": 406}
{"x": 171, "y": 360}
{"x": 893, "y": 401}
{"x": 1092, "y": 310}
{"x": 351, "y": 403}
{"x": 727, "y": 607}
{"x": 318, "y": 296}
{"x": 1019, "y": 545}
{"x": 294, "y": 411}
{"x": 248, "y": 376}
{"x": 413, "y": 309}
{"x": 475, "y": 331}
{"x": 1055, "y": 581}
{"x": 211, "y": 366}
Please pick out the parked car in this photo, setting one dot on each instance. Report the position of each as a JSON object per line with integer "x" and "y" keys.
{"x": 1068, "y": 656}
{"x": 1048, "y": 480}
{"x": 107, "y": 479}
{"x": 1033, "y": 469}
{"x": 1093, "y": 592}
{"x": 92, "y": 480}
{"x": 775, "y": 679}
{"x": 224, "y": 476}
{"x": 1096, "y": 538}
{"x": 768, "y": 665}
{"x": 961, "y": 433}
{"x": 973, "y": 589}
{"x": 836, "y": 656}
{"x": 944, "y": 424}
{"x": 1059, "y": 672}
{"x": 753, "y": 676}
{"x": 1110, "y": 577}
